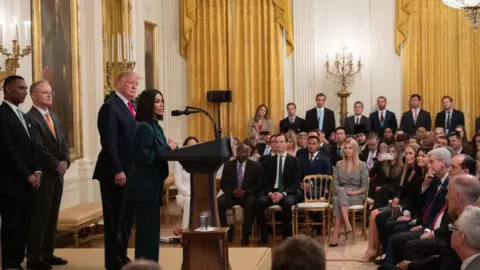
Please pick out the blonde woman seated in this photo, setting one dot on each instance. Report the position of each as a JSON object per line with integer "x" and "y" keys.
{"x": 291, "y": 138}
{"x": 260, "y": 124}
{"x": 182, "y": 181}
{"x": 350, "y": 180}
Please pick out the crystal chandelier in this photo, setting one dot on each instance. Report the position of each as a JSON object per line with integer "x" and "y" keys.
{"x": 471, "y": 7}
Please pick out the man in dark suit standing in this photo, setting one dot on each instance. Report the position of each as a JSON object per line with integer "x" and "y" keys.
{"x": 19, "y": 170}
{"x": 281, "y": 179}
{"x": 415, "y": 117}
{"x": 116, "y": 125}
{"x": 320, "y": 117}
{"x": 240, "y": 183}
{"x": 54, "y": 160}
{"x": 292, "y": 122}
{"x": 357, "y": 119}
{"x": 382, "y": 118}
{"x": 449, "y": 118}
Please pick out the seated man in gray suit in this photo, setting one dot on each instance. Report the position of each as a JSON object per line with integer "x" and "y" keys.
{"x": 466, "y": 238}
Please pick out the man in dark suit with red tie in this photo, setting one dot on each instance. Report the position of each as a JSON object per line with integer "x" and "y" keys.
{"x": 382, "y": 118}
{"x": 240, "y": 183}
{"x": 281, "y": 180}
{"x": 54, "y": 160}
{"x": 116, "y": 125}
{"x": 19, "y": 170}
{"x": 415, "y": 117}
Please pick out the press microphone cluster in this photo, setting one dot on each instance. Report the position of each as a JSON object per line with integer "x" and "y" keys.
{"x": 183, "y": 112}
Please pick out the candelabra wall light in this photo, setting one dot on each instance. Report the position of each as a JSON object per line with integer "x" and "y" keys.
{"x": 343, "y": 66}
{"x": 119, "y": 59}
{"x": 471, "y": 8}
{"x": 13, "y": 56}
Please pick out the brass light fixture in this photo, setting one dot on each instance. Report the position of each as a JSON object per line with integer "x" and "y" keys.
{"x": 471, "y": 8}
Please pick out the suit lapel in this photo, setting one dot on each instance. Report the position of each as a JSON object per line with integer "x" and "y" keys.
{"x": 14, "y": 120}
{"x": 42, "y": 120}
{"x": 123, "y": 106}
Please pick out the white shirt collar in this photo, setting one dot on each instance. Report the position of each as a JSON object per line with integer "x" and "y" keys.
{"x": 443, "y": 178}
{"x": 460, "y": 150}
{"x": 320, "y": 109}
{"x": 282, "y": 155}
{"x": 468, "y": 260}
{"x": 42, "y": 111}
{"x": 14, "y": 107}
{"x": 122, "y": 97}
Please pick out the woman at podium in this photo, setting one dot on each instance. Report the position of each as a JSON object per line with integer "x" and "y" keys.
{"x": 145, "y": 182}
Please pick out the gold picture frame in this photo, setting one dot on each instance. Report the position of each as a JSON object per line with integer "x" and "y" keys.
{"x": 47, "y": 50}
{"x": 151, "y": 55}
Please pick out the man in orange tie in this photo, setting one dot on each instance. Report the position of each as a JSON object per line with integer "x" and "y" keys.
{"x": 54, "y": 159}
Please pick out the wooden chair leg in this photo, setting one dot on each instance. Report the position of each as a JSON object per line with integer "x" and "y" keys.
{"x": 76, "y": 241}
{"x": 365, "y": 224}
{"x": 354, "y": 219}
{"x": 323, "y": 226}
{"x": 294, "y": 222}
{"x": 274, "y": 227}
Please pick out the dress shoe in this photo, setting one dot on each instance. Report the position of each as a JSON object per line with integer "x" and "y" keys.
{"x": 263, "y": 240}
{"x": 55, "y": 261}
{"x": 380, "y": 262}
{"x": 245, "y": 241}
{"x": 38, "y": 266}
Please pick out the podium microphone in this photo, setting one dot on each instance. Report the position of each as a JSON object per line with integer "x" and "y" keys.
{"x": 183, "y": 112}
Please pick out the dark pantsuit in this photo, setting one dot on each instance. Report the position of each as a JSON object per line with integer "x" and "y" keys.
{"x": 225, "y": 203}
{"x": 43, "y": 226}
{"x": 15, "y": 219}
{"x": 420, "y": 249}
{"x": 386, "y": 225}
{"x": 147, "y": 233}
{"x": 263, "y": 202}
{"x": 116, "y": 227}
{"x": 396, "y": 245}
{"x": 447, "y": 259}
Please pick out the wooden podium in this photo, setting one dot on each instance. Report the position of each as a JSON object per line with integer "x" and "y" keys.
{"x": 203, "y": 250}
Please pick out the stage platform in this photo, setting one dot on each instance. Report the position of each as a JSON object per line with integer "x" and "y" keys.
{"x": 170, "y": 258}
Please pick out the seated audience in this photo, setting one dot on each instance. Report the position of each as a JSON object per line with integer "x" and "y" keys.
{"x": 429, "y": 140}
{"x": 336, "y": 150}
{"x": 432, "y": 250}
{"x": 371, "y": 150}
{"x": 260, "y": 123}
{"x": 413, "y": 139}
{"x": 442, "y": 141}
{"x": 281, "y": 180}
{"x": 142, "y": 265}
{"x": 265, "y": 159}
{"x": 432, "y": 197}
{"x": 420, "y": 132}
{"x": 299, "y": 252}
{"x": 182, "y": 182}
{"x": 456, "y": 143}
{"x": 314, "y": 162}
{"x": 410, "y": 182}
{"x": 466, "y": 238}
{"x": 240, "y": 183}
{"x": 324, "y": 147}
{"x": 302, "y": 140}
{"x": 350, "y": 179}
{"x": 360, "y": 135}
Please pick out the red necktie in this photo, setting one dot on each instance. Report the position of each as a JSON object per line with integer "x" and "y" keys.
{"x": 131, "y": 109}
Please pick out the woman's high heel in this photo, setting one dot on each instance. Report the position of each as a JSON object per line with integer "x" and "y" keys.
{"x": 369, "y": 256}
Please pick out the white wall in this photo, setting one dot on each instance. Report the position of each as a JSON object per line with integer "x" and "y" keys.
{"x": 172, "y": 79}
{"x": 320, "y": 28}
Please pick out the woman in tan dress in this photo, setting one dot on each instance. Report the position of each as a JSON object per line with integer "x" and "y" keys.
{"x": 350, "y": 180}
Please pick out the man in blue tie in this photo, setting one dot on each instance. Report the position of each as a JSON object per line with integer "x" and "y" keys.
{"x": 320, "y": 117}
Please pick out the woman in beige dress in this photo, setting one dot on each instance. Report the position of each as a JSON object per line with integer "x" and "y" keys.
{"x": 260, "y": 122}
{"x": 350, "y": 180}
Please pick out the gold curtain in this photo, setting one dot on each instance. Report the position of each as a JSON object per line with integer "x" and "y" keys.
{"x": 205, "y": 25}
{"x": 235, "y": 45}
{"x": 440, "y": 56}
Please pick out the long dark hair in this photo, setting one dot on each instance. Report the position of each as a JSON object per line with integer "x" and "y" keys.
{"x": 145, "y": 105}
{"x": 188, "y": 139}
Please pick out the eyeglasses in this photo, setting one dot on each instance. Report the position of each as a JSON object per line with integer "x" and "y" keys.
{"x": 452, "y": 227}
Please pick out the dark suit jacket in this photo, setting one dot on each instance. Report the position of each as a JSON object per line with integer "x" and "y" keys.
{"x": 116, "y": 126}
{"x": 350, "y": 124}
{"x": 252, "y": 177}
{"x": 335, "y": 156}
{"x": 145, "y": 181}
{"x": 53, "y": 148}
{"x": 291, "y": 175}
{"x": 297, "y": 126}
{"x": 389, "y": 121}
{"x": 319, "y": 165}
{"x": 477, "y": 124}
{"x": 18, "y": 154}
{"x": 457, "y": 118}
{"x": 328, "y": 120}
{"x": 410, "y": 127}
{"x": 364, "y": 154}
{"x": 432, "y": 202}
